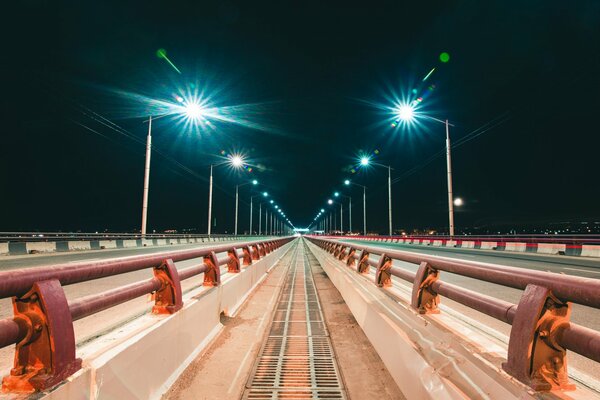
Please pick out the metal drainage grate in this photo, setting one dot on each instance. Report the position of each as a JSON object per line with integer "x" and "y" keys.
{"x": 296, "y": 360}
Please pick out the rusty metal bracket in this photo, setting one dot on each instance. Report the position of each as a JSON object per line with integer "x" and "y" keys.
{"x": 424, "y": 299}
{"x": 363, "y": 263}
{"x": 212, "y": 275}
{"x": 336, "y": 250}
{"x": 383, "y": 277}
{"x": 534, "y": 356}
{"x": 342, "y": 253}
{"x": 350, "y": 261}
{"x": 247, "y": 257}
{"x": 167, "y": 300}
{"x": 233, "y": 265}
{"x": 46, "y": 356}
{"x": 255, "y": 252}
{"x": 261, "y": 249}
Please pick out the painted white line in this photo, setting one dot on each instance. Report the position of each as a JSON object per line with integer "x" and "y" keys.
{"x": 234, "y": 382}
{"x": 583, "y": 270}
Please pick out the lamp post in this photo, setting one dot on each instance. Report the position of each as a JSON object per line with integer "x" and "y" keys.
{"x": 330, "y": 202}
{"x": 254, "y": 182}
{"x": 264, "y": 194}
{"x": 235, "y": 161}
{"x": 407, "y": 113}
{"x": 193, "y": 111}
{"x": 366, "y": 161}
{"x": 347, "y": 182}
{"x": 338, "y": 194}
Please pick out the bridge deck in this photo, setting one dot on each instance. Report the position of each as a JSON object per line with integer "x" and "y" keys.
{"x": 294, "y": 338}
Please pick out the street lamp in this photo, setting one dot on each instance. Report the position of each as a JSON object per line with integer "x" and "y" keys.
{"x": 254, "y": 182}
{"x": 407, "y": 113}
{"x": 365, "y": 162}
{"x": 347, "y": 182}
{"x": 338, "y": 194}
{"x": 235, "y": 161}
{"x": 264, "y": 194}
{"x": 193, "y": 111}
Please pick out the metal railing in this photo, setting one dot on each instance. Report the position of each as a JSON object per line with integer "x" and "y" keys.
{"x": 562, "y": 239}
{"x": 59, "y": 236}
{"x": 42, "y": 325}
{"x": 541, "y": 332}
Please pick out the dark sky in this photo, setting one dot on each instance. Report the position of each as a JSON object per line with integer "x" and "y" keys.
{"x": 307, "y": 75}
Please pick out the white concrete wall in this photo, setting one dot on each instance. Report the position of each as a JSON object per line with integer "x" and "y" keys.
{"x": 468, "y": 244}
{"x": 79, "y": 245}
{"x": 437, "y": 243}
{"x": 590, "y": 250}
{"x": 108, "y": 244}
{"x": 450, "y": 243}
{"x": 488, "y": 245}
{"x": 515, "y": 246}
{"x": 550, "y": 248}
{"x": 3, "y": 248}
{"x": 42, "y": 247}
{"x": 161, "y": 242}
{"x": 130, "y": 243}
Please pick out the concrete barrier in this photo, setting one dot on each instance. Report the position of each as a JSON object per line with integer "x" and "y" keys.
{"x": 590, "y": 251}
{"x": 143, "y": 358}
{"x": 41, "y": 247}
{"x": 108, "y": 244}
{"x": 488, "y": 245}
{"x": 79, "y": 245}
{"x": 4, "y": 248}
{"x": 515, "y": 246}
{"x": 426, "y": 358}
{"x": 551, "y": 248}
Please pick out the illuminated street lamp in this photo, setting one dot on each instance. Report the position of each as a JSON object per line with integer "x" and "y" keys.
{"x": 264, "y": 194}
{"x": 193, "y": 111}
{"x": 338, "y": 194}
{"x": 406, "y": 113}
{"x": 254, "y": 182}
{"x": 235, "y": 161}
{"x": 347, "y": 182}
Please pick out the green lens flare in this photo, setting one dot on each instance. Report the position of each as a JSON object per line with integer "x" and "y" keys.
{"x": 162, "y": 53}
{"x": 444, "y": 57}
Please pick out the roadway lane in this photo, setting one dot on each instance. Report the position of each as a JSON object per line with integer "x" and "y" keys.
{"x": 37, "y": 260}
{"x": 579, "y": 266}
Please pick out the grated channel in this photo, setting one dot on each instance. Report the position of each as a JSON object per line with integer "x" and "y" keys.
{"x": 296, "y": 360}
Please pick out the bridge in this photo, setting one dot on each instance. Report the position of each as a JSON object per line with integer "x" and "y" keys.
{"x": 297, "y": 317}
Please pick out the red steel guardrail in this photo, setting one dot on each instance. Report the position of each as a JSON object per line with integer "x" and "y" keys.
{"x": 42, "y": 325}
{"x": 541, "y": 332}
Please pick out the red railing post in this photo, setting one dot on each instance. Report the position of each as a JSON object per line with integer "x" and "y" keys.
{"x": 534, "y": 356}
{"x": 247, "y": 255}
{"x": 363, "y": 263}
{"x": 46, "y": 356}
{"x": 383, "y": 278}
{"x": 342, "y": 253}
{"x": 233, "y": 265}
{"x": 350, "y": 261}
{"x": 167, "y": 300}
{"x": 212, "y": 275}
{"x": 424, "y": 298}
{"x": 255, "y": 252}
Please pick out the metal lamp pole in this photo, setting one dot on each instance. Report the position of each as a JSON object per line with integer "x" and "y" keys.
{"x": 147, "y": 177}
{"x": 210, "y": 186}
{"x": 449, "y": 171}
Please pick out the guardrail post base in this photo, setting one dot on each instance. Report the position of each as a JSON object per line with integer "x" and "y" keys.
{"x": 534, "y": 356}
{"x": 255, "y": 252}
{"x": 46, "y": 356}
{"x": 350, "y": 261}
{"x": 167, "y": 300}
{"x": 247, "y": 257}
{"x": 383, "y": 277}
{"x": 424, "y": 298}
{"x": 212, "y": 275}
{"x": 363, "y": 264}
{"x": 233, "y": 265}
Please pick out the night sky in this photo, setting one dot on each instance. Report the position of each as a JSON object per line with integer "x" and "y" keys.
{"x": 306, "y": 85}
